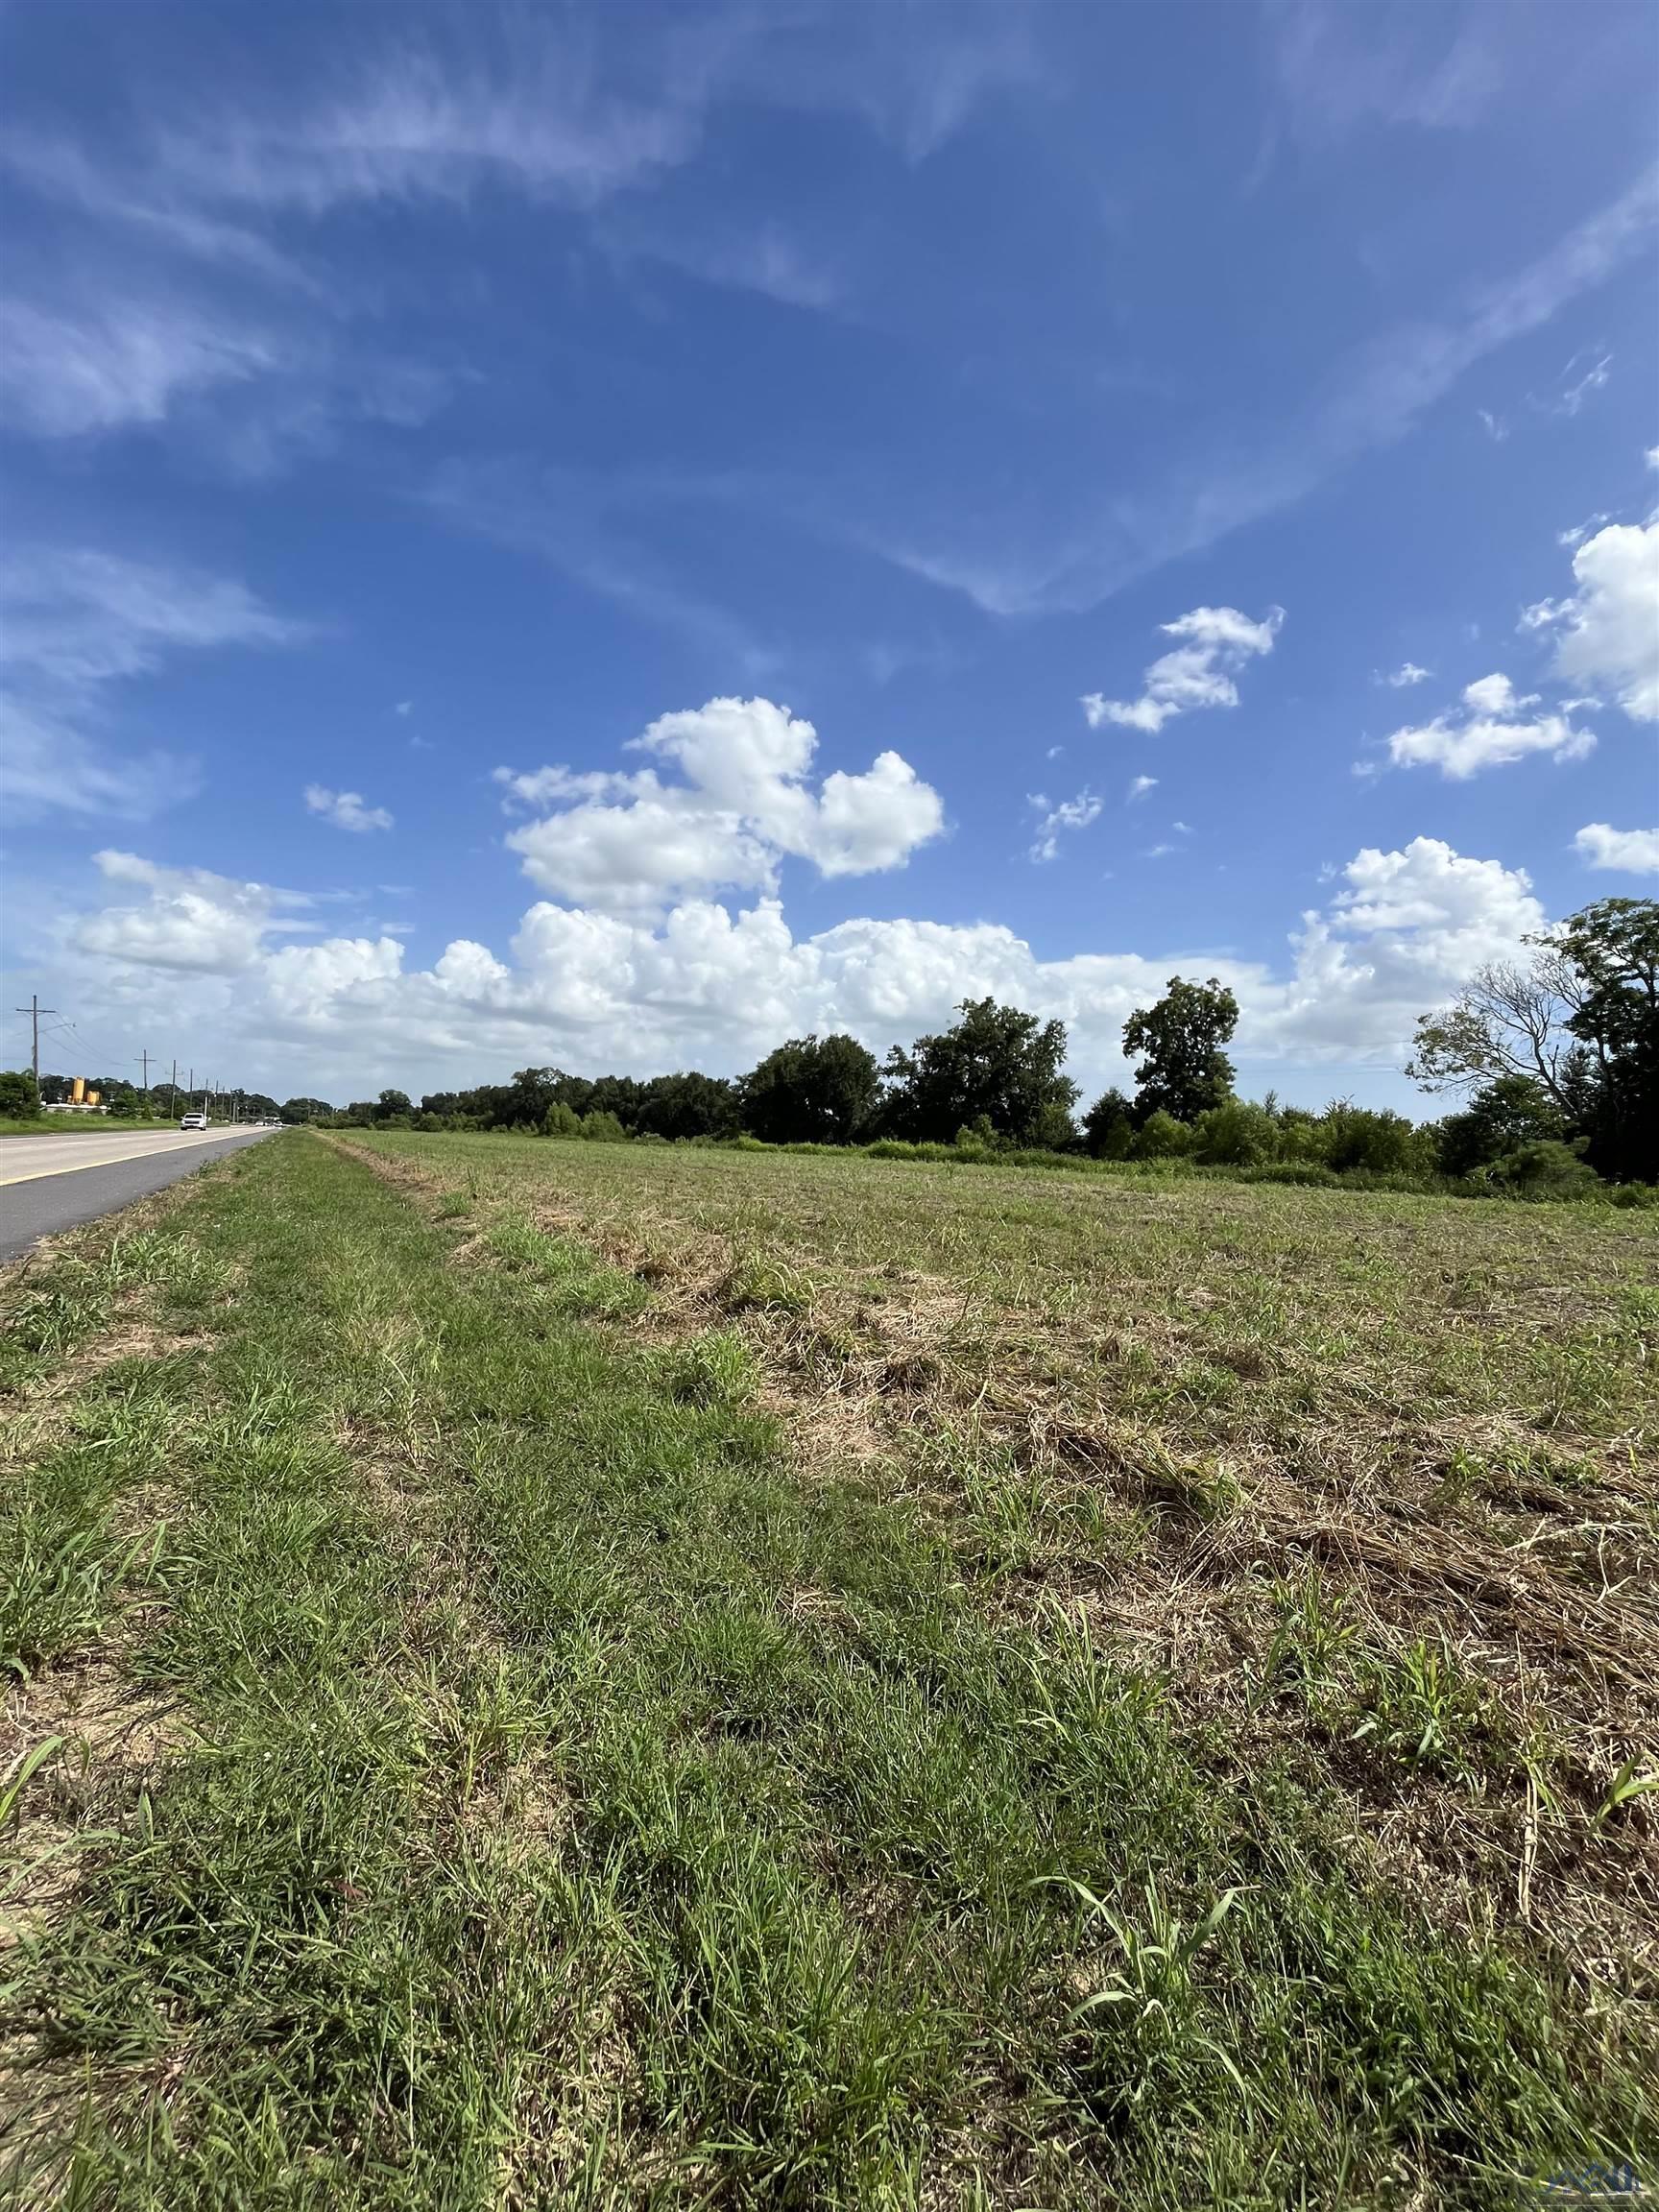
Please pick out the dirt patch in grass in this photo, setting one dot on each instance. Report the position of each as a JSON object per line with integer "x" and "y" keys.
{"x": 106, "y": 1738}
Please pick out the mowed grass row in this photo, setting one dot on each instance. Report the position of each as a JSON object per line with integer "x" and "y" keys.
{"x": 1529, "y": 1319}
{"x": 567, "y": 1798}
{"x": 1379, "y": 1468}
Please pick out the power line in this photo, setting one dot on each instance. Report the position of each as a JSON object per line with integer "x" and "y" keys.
{"x": 72, "y": 1029}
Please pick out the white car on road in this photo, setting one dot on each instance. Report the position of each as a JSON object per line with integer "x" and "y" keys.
{"x": 194, "y": 1121}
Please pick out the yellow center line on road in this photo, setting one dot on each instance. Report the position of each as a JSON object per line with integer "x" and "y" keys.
{"x": 113, "y": 1159}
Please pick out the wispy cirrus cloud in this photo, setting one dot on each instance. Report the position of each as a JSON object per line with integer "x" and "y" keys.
{"x": 1584, "y": 375}
{"x": 1071, "y": 814}
{"x": 1336, "y": 68}
{"x": 75, "y": 623}
{"x": 199, "y": 284}
{"x": 765, "y": 259}
{"x": 75, "y": 619}
{"x": 1376, "y": 395}
{"x": 73, "y": 365}
{"x": 604, "y": 534}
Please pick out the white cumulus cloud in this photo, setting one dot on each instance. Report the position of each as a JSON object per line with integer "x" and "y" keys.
{"x": 1633, "y": 852}
{"x": 631, "y": 842}
{"x": 701, "y": 985}
{"x": 1496, "y": 725}
{"x": 185, "y": 918}
{"x": 1607, "y": 632}
{"x": 1406, "y": 675}
{"x": 346, "y": 810}
{"x": 1216, "y": 641}
{"x": 1403, "y": 931}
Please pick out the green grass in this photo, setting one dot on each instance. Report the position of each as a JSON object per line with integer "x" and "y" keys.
{"x": 59, "y": 1125}
{"x": 597, "y": 1772}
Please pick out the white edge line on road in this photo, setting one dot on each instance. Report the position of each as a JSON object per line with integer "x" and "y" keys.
{"x": 120, "y": 1159}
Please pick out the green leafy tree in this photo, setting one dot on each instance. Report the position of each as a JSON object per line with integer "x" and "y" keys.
{"x": 810, "y": 1091}
{"x": 1109, "y": 1126}
{"x": 1613, "y": 947}
{"x": 20, "y": 1096}
{"x": 996, "y": 1062}
{"x": 525, "y": 1100}
{"x": 1581, "y": 1020}
{"x": 1503, "y": 1116}
{"x": 1510, "y": 1019}
{"x": 689, "y": 1105}
{"x": 392, "y": 1106}
{"x": 617, "y": 1094}
{"x": 560, "y": 1120}
{"x": 1178, "y": 1041}
{"x": 306, "y": 1109}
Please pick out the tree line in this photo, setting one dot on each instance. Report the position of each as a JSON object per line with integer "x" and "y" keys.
{"x": 21, "y": 1098}
{"x": 1555, "y": 1060}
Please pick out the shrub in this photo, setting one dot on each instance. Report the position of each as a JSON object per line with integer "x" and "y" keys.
{"x": 560, "y": 1121}
{"x": 1386, "y": 1143}
{"x": 603, "y": 1128}
{"x": 1161, "y": 1136}
{"x": 977, "y": 1139}
{"x": 1233, "y": 1134}
{"x": 1546, "y": 1170}
{"x": 1635, "y": 1196}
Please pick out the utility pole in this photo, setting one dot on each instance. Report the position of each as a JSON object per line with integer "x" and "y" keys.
{"x": 35, "y": 1010}
{"x": 145, "y": 1057}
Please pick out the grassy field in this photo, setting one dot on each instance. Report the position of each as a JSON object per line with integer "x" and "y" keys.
{"x": 553, "y": 1675}
{"x": 70, "y": 1126}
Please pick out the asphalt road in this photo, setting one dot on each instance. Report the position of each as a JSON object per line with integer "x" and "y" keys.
{"x": 53, "y": 1183}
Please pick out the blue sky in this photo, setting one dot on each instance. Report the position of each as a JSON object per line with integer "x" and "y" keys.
{"x": 612, "y": 538}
